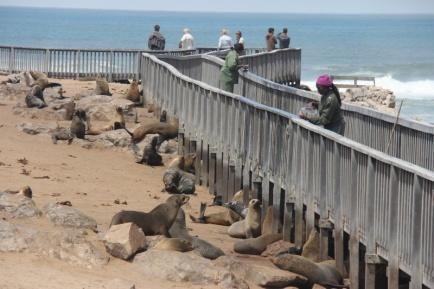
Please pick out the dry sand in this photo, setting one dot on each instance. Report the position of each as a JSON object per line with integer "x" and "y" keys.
{"x": 91, "y": 180}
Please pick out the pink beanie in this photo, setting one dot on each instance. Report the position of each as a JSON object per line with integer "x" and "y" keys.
{"x": 324, "y": 80}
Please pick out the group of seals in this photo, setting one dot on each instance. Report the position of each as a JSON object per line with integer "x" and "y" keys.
{"x": 156, "y": 222}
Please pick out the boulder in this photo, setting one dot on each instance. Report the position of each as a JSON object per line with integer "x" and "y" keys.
{"x": 115, "y": 138}
{"x": 371, "y": 96}
{"x": 124, "y": 240}
{"x": 35, "y": 128}
{"x": 12, "y": 238}
{"x": 168, "y": 147}
{"x": 18, "y": 206}
{"x": 277, "y": 248}
{"x": 69, "y": 217}
{"x": 102, "y": 107}
{"x": 185, "y": 267}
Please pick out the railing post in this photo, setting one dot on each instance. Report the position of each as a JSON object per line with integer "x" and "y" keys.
{"x": 12, "y": 60}
{"x": 110, "y": 68}
{"x": 77, "y": 64}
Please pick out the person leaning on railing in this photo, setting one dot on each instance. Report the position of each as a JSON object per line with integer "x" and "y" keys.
{"x": 229, "y": 72}
{"x": 156, "y": 40}
{"x": 329, "y": 108}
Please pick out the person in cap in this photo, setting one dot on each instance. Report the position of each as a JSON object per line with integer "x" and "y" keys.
{"x": 229, "y": 72}
{"x": 156, "y": 40}
{"x": 329, "y": 108}
{"x": 187, "y": 40}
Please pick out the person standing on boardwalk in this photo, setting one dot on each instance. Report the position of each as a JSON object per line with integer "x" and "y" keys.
{"x": 283, "y": 39}
{"x": 229, "y": 71}
{"x": 270, "y": 39}
{"x": 225, "y": 41}
{"x": 239, "y": 39}
{"x": 187, "y": 40}
{"x": 156, "y": 40}
{"x": 329, "y": 107}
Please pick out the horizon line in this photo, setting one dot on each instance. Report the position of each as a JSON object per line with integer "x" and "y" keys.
{"x": 231, "y": 12}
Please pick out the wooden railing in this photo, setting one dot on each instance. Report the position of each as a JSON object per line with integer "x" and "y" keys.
{"x": 409, "y": 140}
{"x": 380, "y": 201}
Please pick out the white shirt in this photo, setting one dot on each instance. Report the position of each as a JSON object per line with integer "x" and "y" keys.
{"x": 187, "y": 41}
{"x": 241, "y": 40}
{"x": 225, "y": 42}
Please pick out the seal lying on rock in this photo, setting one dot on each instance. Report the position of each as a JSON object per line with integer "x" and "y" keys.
{"x": 205, "y": 249}
{"x": 41, "y": 80}
{"x": 35, "y": 98}
{"x": 156, "y": 222}
{"x": 150, "y": 154}
{"x": 250, "y": 227}
{"x": 178, "y": 182}
{"x": 255, "y": 246}
{"x": 324, "y": 274}
{"x": 102, "y": 87}
{"x": 225, "y": 218}
{"x": 133, "y": 93}
{"x": 184, "y": 163}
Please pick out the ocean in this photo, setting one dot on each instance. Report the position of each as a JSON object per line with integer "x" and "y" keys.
{"x": 397, "y": 49}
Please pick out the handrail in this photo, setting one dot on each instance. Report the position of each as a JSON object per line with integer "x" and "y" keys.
{"x": 412, "y": 141}
{"x": 384, "y": 202}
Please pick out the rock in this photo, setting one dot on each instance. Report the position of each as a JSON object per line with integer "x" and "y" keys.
{"x": 124, "y": 240}
{"x": 185, "y": 267}
{"x": 18, "y": 206}
{"x": 277, "y": 248}
{"x": 119, "y": 284}
{"x": 34, "y": 128}
{"x": 12, "y": 238}
{"x": 151, "y": 241}
{"x": 370, "y": 96}
{"x": 117, "y": 138}
{"x": 102, "y": 107}
{"x": 70, "y": 246}
{"x": 273, "y": 278}
{"x": 69, "y": 217}
{"x": 168, "y": 147}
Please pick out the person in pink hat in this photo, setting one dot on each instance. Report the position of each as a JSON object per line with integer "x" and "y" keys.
{"x": 329, "y": 108}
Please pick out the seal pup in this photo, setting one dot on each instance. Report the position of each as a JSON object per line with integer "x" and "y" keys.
{"x": 35, "y": 97}
{"x": 178, "y": 182}
{"x": 250, "y": 227}
{"x": 184, "y": 163}
{"x": 224, "y": 218}
{"x": 204, "y": 248}
{"x": 133, "y": 93}
{"x": 174, "y": 244}
{"x": 255, "y": 246}
{"x": 156, "y": 222}
{"x": 150, "y": 154}
{"x": 102, "y": 87}
{"x": 78, "y": 124}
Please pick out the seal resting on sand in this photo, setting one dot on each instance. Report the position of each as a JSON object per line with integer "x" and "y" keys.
{"x": 178, "y": 182}
{"x": 166, "y": 131}
{"x": 204, "y": 248}
{"x": 133, "y": 93}
{"x": 156, "y": 222}
{"x": 255, "y": 246}
{"x": 226, "y": 217}
{"x": 324, "y": 274}
{"x": 250, "y": 227}
{"x": 184, "y": 163}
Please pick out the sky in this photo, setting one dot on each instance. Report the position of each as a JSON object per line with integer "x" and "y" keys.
{"x": 267, "y": 6}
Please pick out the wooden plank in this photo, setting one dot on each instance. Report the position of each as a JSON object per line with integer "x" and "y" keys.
{"x": 393, "y": 264}
{"x": 212, "y": 172}
{"x": 416, "y": 260}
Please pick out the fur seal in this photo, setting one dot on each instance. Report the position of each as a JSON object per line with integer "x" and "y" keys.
{"x": 250, "y": 227}
{"x": 163, "y": 116}
{"x": 41, "y": 80}
{"x": 166, "y": 131}
{"x": 133, "y": 93}
{"x": 178, "y": 182}
{"x": 224, "y": 218}
{"x": 150, "y": 154}
{"x": 35, "y": 98}
{"x": 184, "y": 163}
{"x": 204, "y": 248}
{"x": 311, "y": 247}
{"x": 174, "y": 244}
{"x": 25, "y": 191}
{"x": 255, "y": 246}
{"x": 78, "y": 124}
{"x": 156, "y": 222}
{"x": 102, "y": 87}
{"x": 237, "y": 204}
{"x": 324, "y": 274}
{"x": 267, "y": 224}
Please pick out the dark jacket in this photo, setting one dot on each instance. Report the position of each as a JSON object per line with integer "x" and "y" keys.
{"x": 156, "y": 41}
{"x": 284, "y": 40}
{"x": 329, "y": 109}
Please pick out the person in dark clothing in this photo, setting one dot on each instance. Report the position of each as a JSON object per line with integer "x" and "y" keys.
{"x": 283, "y": 39}
{"x": 156, "y": 40}
{"x": 229, "y": 72}
{"x": 270, "y": 39}
{"x": 329, "y": 107}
